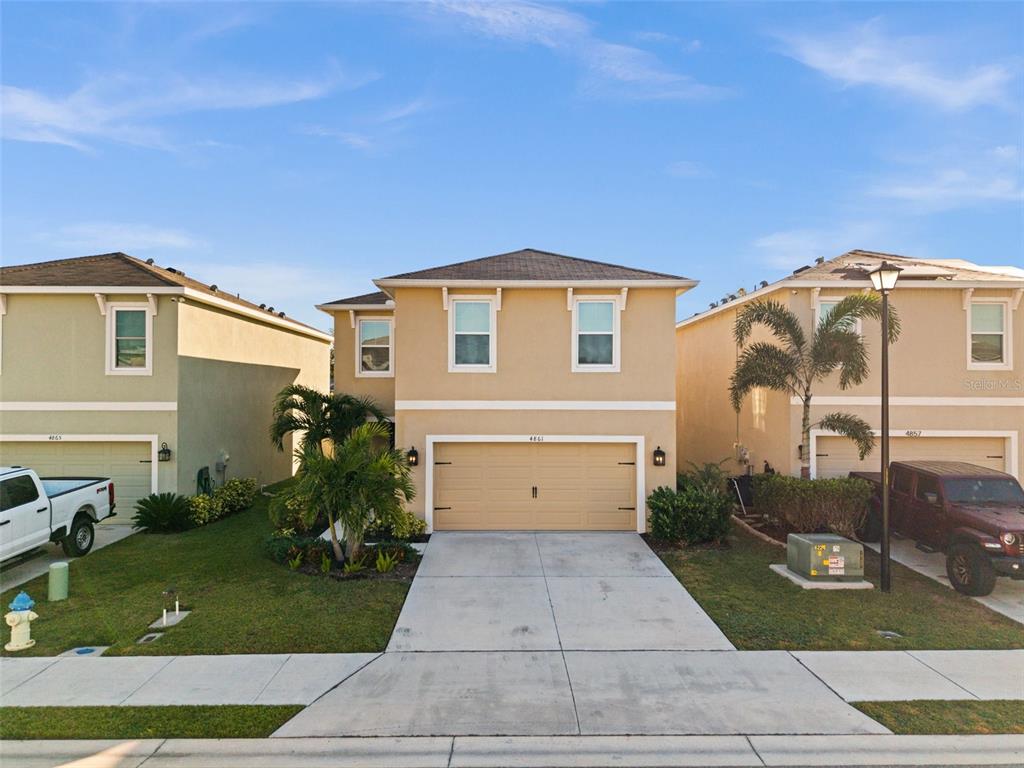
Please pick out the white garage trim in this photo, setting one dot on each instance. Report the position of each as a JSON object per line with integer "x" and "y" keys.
{"x": 93, "y": 405}
{"x": 1015, "y": 402}
{"x": 61, "y": 438}
{"x": 535, "y": 405}
{"x": 637, "y": 440}
{"x": 1010, "y": 437}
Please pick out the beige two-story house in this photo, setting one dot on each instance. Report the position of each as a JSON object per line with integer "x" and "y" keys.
{"x": 534, "y": 391}
{"x": 114, "y": 366}
{"x": 956, "y": 373}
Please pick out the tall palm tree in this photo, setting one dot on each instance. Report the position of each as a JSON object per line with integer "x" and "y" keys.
{"x": 363, "y": 478}
{"x": 319, "y": 416}
{"x": 795, "y": 364}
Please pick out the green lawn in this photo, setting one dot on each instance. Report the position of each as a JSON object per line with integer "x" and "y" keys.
{"x": 242, "y": 602}
{"x": 759, "y": 610}
{"x": 194, "y": 722}
{"x": 946, "y": 717}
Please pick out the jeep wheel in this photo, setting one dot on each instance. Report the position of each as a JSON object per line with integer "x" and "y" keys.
{"x": 970, "y": 571}
{"x": 871, "y": 531}
{"x": 80, "y": 538}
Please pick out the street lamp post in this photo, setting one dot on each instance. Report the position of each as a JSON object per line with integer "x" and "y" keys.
{"x": 884, "y": 278}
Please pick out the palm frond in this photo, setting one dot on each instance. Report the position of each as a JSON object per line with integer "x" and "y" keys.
{"x": 852, "y": 427}
{"x": 777, "y": 317}
{"x": 763, "y": 365}
{"x": 843, "y": 348}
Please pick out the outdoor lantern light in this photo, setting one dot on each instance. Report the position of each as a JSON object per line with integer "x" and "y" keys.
{"x": 659, "y": 457}
{"x": 164, "y": 454}
{"x": 413, "y": 456}
{"x": 884, "y": 278}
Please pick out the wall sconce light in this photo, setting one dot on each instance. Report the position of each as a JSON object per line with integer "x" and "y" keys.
{"x": 164, "y": 454}
{"x": 659, "y": 457}
{"x": 413, "y": 456}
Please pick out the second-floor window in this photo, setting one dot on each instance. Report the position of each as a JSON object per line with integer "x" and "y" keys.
{"x": 595, "y": 334}
{"x": 129, "y": 339}
{"x": 472, "y": 343}
{"x": 987, "y": 340}
{"x": 375, "y": 348}
{"x": 825, "y": 307}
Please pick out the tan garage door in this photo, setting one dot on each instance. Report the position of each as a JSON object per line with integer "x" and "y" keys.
{"x": 535, "y": 486}
{"x": 837, "y": 456}
{"x": 127, "y": 464}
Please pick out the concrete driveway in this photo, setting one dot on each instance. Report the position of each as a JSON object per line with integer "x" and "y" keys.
{"x": 558, "y": 634}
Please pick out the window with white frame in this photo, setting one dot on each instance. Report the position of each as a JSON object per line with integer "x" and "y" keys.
{"x": 988, "y": 335}
{"x": 129, "y": 339}
{"x": 472, "y": 339}
{"x": 595, "y": 334}
{"x": 825, "y": 307}
{"x": 375, "y": 347}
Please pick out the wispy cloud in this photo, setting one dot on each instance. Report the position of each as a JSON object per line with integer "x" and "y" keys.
{"x": 792, "y": 248}
{"x": 106, "y": 237}
{"x": 682, "y": 43}
{"x": 687, "y": 169}
{"x": 348, "y": 138}
{"x": 127, "y": 108}
{"x": 613, "y": 69}
{"x": 373, "y": 130}
{"x": 865, "y": 55}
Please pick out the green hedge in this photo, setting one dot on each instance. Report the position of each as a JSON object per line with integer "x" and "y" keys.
{"x": 694, "y": 514}
{"x": 836, "y": 504}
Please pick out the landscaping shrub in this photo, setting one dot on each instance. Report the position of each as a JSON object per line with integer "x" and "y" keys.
{"x": 237, "y": 494}
{"x": 837, "y": 505}
{"x": 205, "y": 509}
{"x": 303, "y": 549}
{"x": 290, "y": 509}
{"x": 709, "y": 476}
{"x": 399, "y": 525}
{"x": 163, "y": 513}
{"x": 665, "y": 516}
{"x": 695, "y": 514}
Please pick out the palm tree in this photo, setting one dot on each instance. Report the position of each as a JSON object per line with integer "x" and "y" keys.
{"x": 795, "y": 364}
{"x": 364, "y": 477}
{"x": 319, "y": 416}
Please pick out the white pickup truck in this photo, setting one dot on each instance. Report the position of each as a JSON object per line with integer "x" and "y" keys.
{"x": 34, "y": 511}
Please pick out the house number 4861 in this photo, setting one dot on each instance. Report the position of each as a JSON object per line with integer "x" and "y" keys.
{"x": 536, "y": 438}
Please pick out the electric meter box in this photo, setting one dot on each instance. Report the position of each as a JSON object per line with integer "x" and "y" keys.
{"x": 824, "y": 557}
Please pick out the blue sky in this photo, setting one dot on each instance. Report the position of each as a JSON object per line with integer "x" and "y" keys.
{"x": 292, "y": 152}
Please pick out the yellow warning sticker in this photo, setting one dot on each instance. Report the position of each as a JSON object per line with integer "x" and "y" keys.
{"x": 813, "y": 572}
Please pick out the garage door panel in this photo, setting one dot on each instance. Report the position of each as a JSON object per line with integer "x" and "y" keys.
{"x": 837, "y": 456}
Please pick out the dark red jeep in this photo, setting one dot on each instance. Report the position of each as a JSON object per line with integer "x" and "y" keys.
{"x": 972, "y": 514}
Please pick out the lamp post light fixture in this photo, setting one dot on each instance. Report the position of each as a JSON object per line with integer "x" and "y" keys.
{"x": 659, "y": 457}
{"x": 413, "y": 456}
{"x": 884, "y": 278}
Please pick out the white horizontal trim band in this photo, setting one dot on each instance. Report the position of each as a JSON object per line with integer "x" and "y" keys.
{"x": 535, "y": 405}
{"x": 1012, "y": 402}
{"x": 88, "y": 406}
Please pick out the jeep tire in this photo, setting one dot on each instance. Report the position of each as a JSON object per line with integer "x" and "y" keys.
{"x": 871, "y": 530}
{"x": 80, "y": 538}
{"x": 969, "y": 570}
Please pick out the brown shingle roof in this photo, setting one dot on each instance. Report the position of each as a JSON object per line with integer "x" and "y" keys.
{"x": 118, "y": 270}
{"x": 377, "y": 297}
{"x": 531, "y": 264}
{"x": 854, "y": 265}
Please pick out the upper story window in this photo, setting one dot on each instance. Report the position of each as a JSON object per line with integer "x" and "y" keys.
{"x": 472, "y": 343}
{"x": 988, "y": 336}
{"x": 375, "y": 348}
{"x": 129, "y": 339}
{"x": 595, "y": 334}
{"x": 825, "y": 307}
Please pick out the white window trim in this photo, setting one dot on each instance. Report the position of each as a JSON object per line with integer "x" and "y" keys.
{"x": 1007, "y": 364}
{"x": 111, "y": 314}
{"x": 492, "y": 302}
{"x": 858, "y": 326}
{"x": 616, "y": 301}
{"x": 390, "y": 372}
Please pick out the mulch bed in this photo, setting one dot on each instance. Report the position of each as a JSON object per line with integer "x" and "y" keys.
{"x": 403, "y": 571}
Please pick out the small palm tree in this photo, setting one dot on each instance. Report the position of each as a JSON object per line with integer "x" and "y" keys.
{"x": 319, "y": 416}
{"x": 795, "y": 364}
{"x": 364, "y": 477}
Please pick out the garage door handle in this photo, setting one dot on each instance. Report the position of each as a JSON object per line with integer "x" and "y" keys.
{"x": 632, "y": 509}
{"x": 438, "y": 509}
{"x": 145, "y": 461}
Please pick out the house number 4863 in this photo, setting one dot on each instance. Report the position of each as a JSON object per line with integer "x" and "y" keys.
{"x": 536, "y": 438}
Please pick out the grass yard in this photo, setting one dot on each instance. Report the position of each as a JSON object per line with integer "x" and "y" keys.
{"x": 194, "y": 722}
{"x": 242, "y": 602}
{"x": 947, "y": 717}
{"x": 759, "y": 610}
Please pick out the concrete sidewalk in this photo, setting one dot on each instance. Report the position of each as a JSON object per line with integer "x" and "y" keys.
{"x": 512, "y": 752}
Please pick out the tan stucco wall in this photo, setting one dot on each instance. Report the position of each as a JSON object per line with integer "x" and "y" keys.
{"x": 231, "y": 370}
{"x": 657, "y": 427}
{"x": 54, "y": 349}
{"x": 380, "y": 388}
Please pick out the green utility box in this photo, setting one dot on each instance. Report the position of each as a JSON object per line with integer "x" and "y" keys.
{"x": 824, "y": 557}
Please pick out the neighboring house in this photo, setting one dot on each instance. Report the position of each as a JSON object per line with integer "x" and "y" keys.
{"x": 104, "y": 360}
{"x": 956, "y": 373}
{"x": 535, "y": 388}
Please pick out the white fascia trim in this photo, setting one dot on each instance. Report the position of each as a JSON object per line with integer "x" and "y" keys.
{"x": 390, "y": 372}
{"x": 116, "y": 289}
{"x": 256, "y": 314}
{"x": 535, "y": 405}
{"x": 332, "y": 308}
{"x": 637, "y": 440}
{"x": 1011, "y": 438}
{"x": 98, "y": 406}
{"x": 1011, "y": 402}
{"x": 153, "y": 441}
{"x": 385, "y": 284}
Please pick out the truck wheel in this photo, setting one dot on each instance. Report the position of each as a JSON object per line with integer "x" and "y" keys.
{"x": 871, "y": 531}
{"x": 80, "y": 538}
{"x": 970, "y": 571}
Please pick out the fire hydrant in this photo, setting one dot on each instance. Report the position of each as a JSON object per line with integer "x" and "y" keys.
{"x": 19, "y": 619}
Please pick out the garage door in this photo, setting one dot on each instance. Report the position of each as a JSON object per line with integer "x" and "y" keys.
{"x": 837, "y": 456}
{"x": 534, "y": 486}
{"x": 127, "y": 464}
